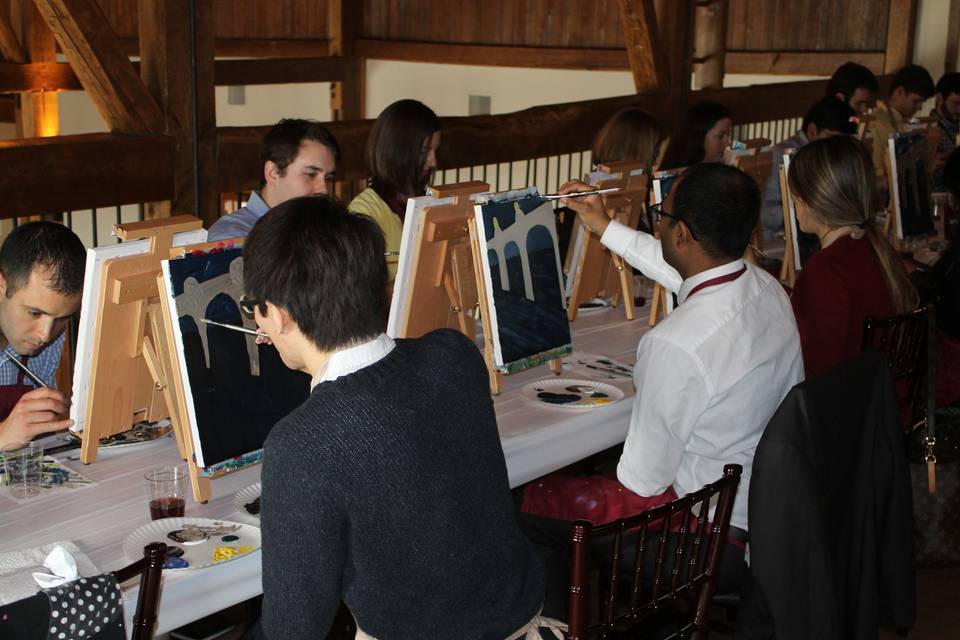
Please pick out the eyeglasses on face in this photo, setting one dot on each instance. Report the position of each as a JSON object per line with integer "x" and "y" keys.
{"x": 249, "y": 305}
{"x": 658, "y": 213}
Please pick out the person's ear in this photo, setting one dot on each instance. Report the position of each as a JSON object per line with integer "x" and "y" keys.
{"x": 271, "y": 172}
{"x": 842, "y": 98}
{"x": 3, "y": 285}
{"x": 682, "y": 238}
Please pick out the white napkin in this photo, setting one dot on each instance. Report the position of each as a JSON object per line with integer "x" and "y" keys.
{"x": 63, "y": 566}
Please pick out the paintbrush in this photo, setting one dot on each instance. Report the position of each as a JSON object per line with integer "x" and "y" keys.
{"x": 235, "y": 328}
{"x": 30, "y": 374}
{"x": 578, "y": 194}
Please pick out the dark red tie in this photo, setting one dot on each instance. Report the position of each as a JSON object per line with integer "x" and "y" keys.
{"x": 718, "y": 280}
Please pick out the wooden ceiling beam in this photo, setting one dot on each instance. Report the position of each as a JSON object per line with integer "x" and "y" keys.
{"x": 37, "y": 76}
{"x": 39, "y": 112}
{"x": 9, "y": 44}
{"x": 178, "y": 71}
{"x": 640, "y": 31}
{"x": 710, "y": 43}
{"x": 814, "y": 63}
{"x": 953, "y": 37}
{"x": 58, "y": 76}
{"x": 254, "y": 47}
{"x": 103, "y": 68}
{"x": 494, "y": 55}
{"x": 901, "y": 32}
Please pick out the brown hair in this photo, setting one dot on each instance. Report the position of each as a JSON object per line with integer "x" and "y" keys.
{"x": 835, "y": 178}
{"x": 629, "y": 134}
{"x": 395, "y": 146}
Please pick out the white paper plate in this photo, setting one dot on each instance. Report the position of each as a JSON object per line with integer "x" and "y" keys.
{"x": 597, "y": 367}
{"x": 244, "y": 497}
{"x": 557, "y": 392}
{"x": 198, "y": 555}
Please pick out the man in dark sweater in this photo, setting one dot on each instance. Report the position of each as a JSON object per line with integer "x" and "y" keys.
{"x": 387, "y": 488}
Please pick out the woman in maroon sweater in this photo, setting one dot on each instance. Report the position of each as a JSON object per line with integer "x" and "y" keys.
{"x": 857, "y": 273}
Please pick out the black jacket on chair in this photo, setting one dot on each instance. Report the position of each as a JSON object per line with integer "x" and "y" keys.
{"x": 831, "y": 547}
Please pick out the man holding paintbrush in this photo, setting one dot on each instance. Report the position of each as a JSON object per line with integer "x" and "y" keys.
{"x": 41, "y": 281}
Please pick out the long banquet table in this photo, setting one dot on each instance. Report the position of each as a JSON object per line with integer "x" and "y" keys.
{"x": 536, "y": 440}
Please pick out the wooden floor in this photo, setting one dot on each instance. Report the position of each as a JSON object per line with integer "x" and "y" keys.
{"x": 938, "y": 607}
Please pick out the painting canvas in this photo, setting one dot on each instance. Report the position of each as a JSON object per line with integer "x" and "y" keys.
{"x": 89, "y": 300}
{"x": 912, "y": 202}
{"x": 522, "y": 276}
{"x": 663, "y": 182}
{"x": 236, "y": 389}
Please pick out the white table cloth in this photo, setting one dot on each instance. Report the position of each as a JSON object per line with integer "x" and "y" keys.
{"x": 536, "y": 440}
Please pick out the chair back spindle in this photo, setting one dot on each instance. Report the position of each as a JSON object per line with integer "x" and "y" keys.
{"x": 687, "y": 572}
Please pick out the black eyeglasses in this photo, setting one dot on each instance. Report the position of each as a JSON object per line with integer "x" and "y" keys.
{"x": 658, "y": 212}
{"x": 248, "y": 306}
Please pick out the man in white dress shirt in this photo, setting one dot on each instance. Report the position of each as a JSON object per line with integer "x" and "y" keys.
{"x": 711, "y": 374}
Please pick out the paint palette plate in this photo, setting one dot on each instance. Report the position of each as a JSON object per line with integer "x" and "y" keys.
{"x": 199, "y": 542}
{"x": 598, "y": 367}
{"x": 245, "y": 497}
{"x": 568, "y": 393}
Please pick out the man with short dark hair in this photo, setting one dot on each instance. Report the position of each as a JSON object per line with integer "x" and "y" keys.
{"x": 387, "y": 488}
{"x": 711, "y": 374}
{"x": 299, "y": 159}
{"x": 910, "y": 87}
{"x": 41, "y": 281}
{"x": 947, "y": 113}
{"x": 828, "y": 117}
{"x": 854, "y": 84}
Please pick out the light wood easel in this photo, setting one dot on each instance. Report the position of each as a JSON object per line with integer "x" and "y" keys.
{"x": 788, "y": 270}
{"x": 658, "y": 304}
{"x": 599, "y": 272}
{"x": 443, "y": 291}
{"x": 121, "y": 382}
{"x": 757, "y": 164}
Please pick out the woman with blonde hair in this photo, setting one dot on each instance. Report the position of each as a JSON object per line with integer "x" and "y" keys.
{"x": 629, "y": 134}
{"x": 856, "y": 273}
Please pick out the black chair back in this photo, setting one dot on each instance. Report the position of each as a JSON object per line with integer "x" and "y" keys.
{"x": 685, "y": 561}
{"x": 907, "y": 342}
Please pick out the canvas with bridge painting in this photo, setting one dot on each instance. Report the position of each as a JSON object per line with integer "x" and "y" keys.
{"x": 522, "y": 277}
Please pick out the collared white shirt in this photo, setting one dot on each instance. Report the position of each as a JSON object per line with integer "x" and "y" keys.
{"x": 708, "y": 377}
{"x": 352, "y": 359}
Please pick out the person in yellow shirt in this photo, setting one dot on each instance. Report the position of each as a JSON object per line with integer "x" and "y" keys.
{"x": 910, "y": 88}
{"x": 401, "y": 159}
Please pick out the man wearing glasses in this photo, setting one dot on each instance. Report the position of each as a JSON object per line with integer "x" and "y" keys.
{"x": 710, "y": 375}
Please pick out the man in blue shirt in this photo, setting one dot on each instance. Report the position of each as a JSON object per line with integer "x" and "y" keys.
{"x": 41, "y": 281}
{"x": 299, "y": 159}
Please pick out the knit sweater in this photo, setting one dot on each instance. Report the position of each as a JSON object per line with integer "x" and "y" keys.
{"x": 388, "y": 489}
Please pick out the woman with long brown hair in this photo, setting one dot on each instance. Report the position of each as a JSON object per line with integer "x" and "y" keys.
{"x": 629, "y": 134}
{"x": 856, "y": 273}
{"x": 402, "y": 158}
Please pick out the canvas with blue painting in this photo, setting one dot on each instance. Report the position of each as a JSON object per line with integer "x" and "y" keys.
{"x": 522, "y": 275}
{"x": 236, "y": 389}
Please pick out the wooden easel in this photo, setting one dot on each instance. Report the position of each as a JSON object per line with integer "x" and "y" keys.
{"x": 599, "y": 272}
{"x": 443, "y": 291}
{"x": 924, "y": 127}
{"x": 788, "y": 270}
{"x": 121, "y": 381}
{"x": 758, "y": 165}
{"x": 658, "y": 304}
